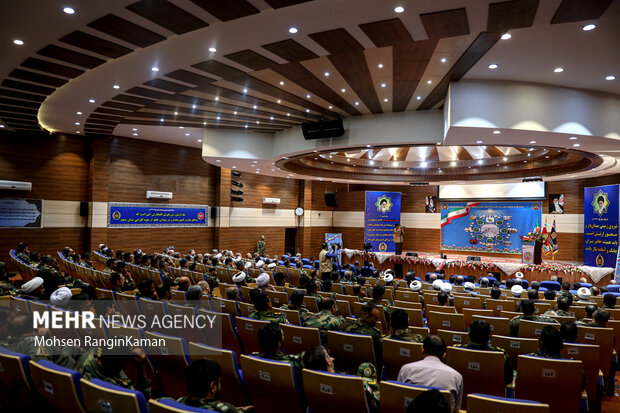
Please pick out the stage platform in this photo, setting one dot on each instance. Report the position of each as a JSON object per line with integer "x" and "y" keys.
{"x": 505, "y": 267}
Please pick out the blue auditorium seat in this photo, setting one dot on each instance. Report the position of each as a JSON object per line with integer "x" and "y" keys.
{"x": 551, "y": 285}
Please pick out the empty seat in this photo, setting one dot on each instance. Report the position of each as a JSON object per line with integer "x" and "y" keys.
{"x": 299, "y": 339}
{"x": 395, "y": 395}
{"x": 483, "y": 403}
{"x": 59, "y": 386}
{"x": 333, "y": 392}
{"x": 247, "y": 328}
{"x": 397, "y": 353}
{"x": 589, "y": 355}
{"x": 101, "y": 396}
{"x": 351, "y": 350}
{"x": 447, "y": 321}
{"x": 267, "y": 378}
{"x": 170, "y": 360}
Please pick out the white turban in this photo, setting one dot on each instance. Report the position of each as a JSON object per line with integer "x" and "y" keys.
{"x": 239, "y": 277}
{"x": 262, "y": 280}
{"x": 437, "y": 284}
{"x": 469, "y": 285}
{"x": 271, "y": 265}
{"x": 446, "y": 287}
{"x": 415, "y": 285}
{"x": 61, "y": 297}
{"x": 32, "y": 285}
{"x": 516, "y": 290}
{"x": 260, "y": 263}
{"x": 248, "y": 265}
{"x": 388, "y": 277}
{"x": 583, "y": 293}
{"x": 519, "y": 274}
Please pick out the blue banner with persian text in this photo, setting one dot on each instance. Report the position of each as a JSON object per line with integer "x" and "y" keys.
{"x": 487, "y": 226}
{"x": 600, "y": 225}
{"x": 128, "y": 215}
{"x": 21, "y": 213}
{"x": 381, "y": 215}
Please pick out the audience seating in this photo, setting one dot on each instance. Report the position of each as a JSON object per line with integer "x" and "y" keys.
{"x": 189, "y": 334}
{"x": 333, "y": 392}
{"x": 343, "y": 308}
{"x": 15, "y": 375}
{"x": 500, "y": 305}
{"x": 127, "y": 304}
{"x": 101, "y": 396}
{"x": 415, "y": 316}
{"x": 59, "y": 386}
{"x": 245, "y": 309}
{"x": 532, "y": 329}
{"x": 589, "y": 354}
{"x": 453, "y": 337}
{"x": 171, "y": 406}
{"x": 397, "y": 353}
{"x": 482, "y": 403}
{"x": 603, "y": 337}
{"x": 272, "y": 385}
{"x": 451, "y": 321}
{"x": 247, "y": 328}
{"x": 408, "y": 304}
{"x": 552, "y": 381}
{"x": 350, "y": 350}
{"x": 292, "y": 316}
{"x": 395, "y": 395}
{"x": 299, "y": 339}
{"x": 170, "y": 361}
{"x": 499, "y": 325}
{"x": 229, "y": 338}
{"x": 515, "y": 346}
{"x": 440, "y": 308}
{"x": 467, "y": 301}
{"x": 469, "y": 313}
{"x": 226, "y": 306}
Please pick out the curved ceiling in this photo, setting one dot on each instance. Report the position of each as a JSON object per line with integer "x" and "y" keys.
{"x": 235, "y": 65}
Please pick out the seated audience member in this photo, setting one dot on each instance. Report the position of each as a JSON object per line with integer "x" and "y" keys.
{"x": 23, "y": 252}
{"x": 326, "y": 319}
{"x": 594, "y": 291}
{"x": 279, "y": 278}
{"x": 590, "y": 309}
{"x": 365, "y": 324}
{"x": 202, "y": 378}
{"x": 194, "y": 295}
{"x": 326, "y": 286}
{"x": 479, "y": 334}
{"x": 496, "y": 293}
{"x": 609, "y": 301}
{"x": 569, "y": 331}
{"x": 565, "y": 286}
{"x": 399, "y": 322}
{"x": 204, "y": 287}
{"x": 183, "y": 283}
{"x": 549, "y": 295}
{"x": 311, "y": 290}
{"x": 61, "y": 297}
{"x": 80, "y": 302}
{"x": 271, "y": 339}
{"x": 532, "y": 295}
{"x": 599, "y": 319}
{"x": 431, "y": 371}
{"x": 347, "y": 277}
{"x": 105, "y": 308}
{"x": 116, "y": 280}
{"x": 164, "y": 291}
{"x": 296, "y": 301}
{"x": 318, "y": 359}
{"x": 262, "y": 308}
{"x": 429, "y": 401}
{"x": 562, "y": 308}
{"x": 262, "y": 281}
{"x": 33, "y": 289}
{"x": 108, "y": 364}
{"x": 232, "y": 293}
{"x": 576, "y": 286}
{"x": 459, "y": 280}
{"x": 442, "y": 298}
{"x": 516, "y": 291}
{"x": 583, "y": 294}
{"x": 359, "y": 292}
{"x": 377, "y": 299}
{"x": 528, "y": 309}
{"x": 535, "y": 285}
{"x": 484, "y": 282}
{"x": 146, "y": 289}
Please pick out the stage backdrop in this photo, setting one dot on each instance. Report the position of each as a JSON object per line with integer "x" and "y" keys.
{"x": 127, "y": 215}
{"x": 487, "y": 226}
{"x": 381, "y": 216}
{"x": 600, "y": 221}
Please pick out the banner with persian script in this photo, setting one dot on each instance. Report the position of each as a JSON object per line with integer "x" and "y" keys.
{"x": 21, "y": 213}
{"x": 600, "y": 221}
{"x": 381, "y": 215}
{"x": 129, "y": 215}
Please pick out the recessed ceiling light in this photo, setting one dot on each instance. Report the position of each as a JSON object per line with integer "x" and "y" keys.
{"x": 77, "y": 131}
{"x": 419, "y": 97}
{"x": 423, "y": 165}
{"x": 18, "y": 42}
{"x": 589, "y": 27}
{"x": 330, "y": 106}
{"x": 246, "y": 126}
{"x": 281, "y": 83}
{"x": 193, "y": 106}
{"x": 288, "y": 114}
{"x": 217, "y": 118}
{"x": 292, "y": 30}
{"x": 155, "y": 69}
{"x": 212, "y": 49}
{"x": 68, "y": 10}
{"x": 77, "y": 123}
{"x": 532, "y": 142}
{"x": 326, "y": 74}
{"x": 357, "y": 103}
{"x": 308, "y": 96}
{"x": 493, "y": 66}
{"x": 161, "y": 119}
{"x": 234, "y": 167}
{"x": 453, "y": 163}
{"x": 116, "y": 87}
{"x": 610, "y": 77}
{"x": 204, "y": 123}
{"x": 245, "y": 90}
{"x": 199, "y": 140}
{"x": 257, "y": 122}
{"x": 134, "y": 129}
{"x": 218, "y": 160}
{"x": 380, "y": 65}
{"x": 429, "y": 81}
{"x": 529, "y": 154}
{"x": 505, "y": 158}
{"x": 576, "y": 145}
{"x": 496, "y": 132}
{"x": 385, "y": 100}
{"x": 332, "y": 162}
{"x": 79, "y": 113}
{"x": 546, "y": 156}
{"x": 558, "y": 70}
{"x": 235, "y": 112}
{"x": 134, "y": 134}
{"x": 478, "y": 141}
{"x": 369, "y": 146}
{"x": 524, "y": 161}
{"x": 187, "y": 134}
{"x": 383, "y": 85}
{"x": 371, "y": 163}
{"x": 180, "y": 127}
{"x": 254, "y": 106}
{"x": 91, "y": 100}
{"x": 444, "y": 60}
{"x": 399, "y": 9}
{"x": 176, "y": 113}
{"x": 480, "y": 161}
{"x": 270, "y": 117}
{"x": 573, "y": 138}
{"x": 496, "y": 164}
{"x": 506, "y": 36}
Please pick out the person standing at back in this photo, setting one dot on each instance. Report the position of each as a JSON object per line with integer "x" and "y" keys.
{"x": 325, "y": 262}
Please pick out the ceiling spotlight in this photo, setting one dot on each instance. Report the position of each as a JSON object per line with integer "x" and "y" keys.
{"x": 77, "y": 123}
{"x": 588, "y": 27}
{"x": 444, "y": 60}
{"x": 288, "y": 114}
{"x": 423, "y": 165}
{"x": 134, "y": 129}
{"x": 91, "y": 100}
{"x": 307, "y": 110}
{"x": 176, "y": 113}
{"x": 155, "y": 69}
{"x": 573, "y": 138}
{"x": 419, "y": 97}
{"x": 371, "y": 163}
{"x": 546, "y": 156}
{"x": 493, "y": 66}
{"x": 254, "y": 106}
{"x": 610, "y": 77}
{"x": 257, "y": 122}
{"x": 187, "y": 134}
{"x": 68, "y": 10}
{"x": 77, "y": 131}
{"x": 246, "y": 126}
{"x": 558, "y": 70}
{"x": 193, "y": 106}
{"x": 199, "y": 140}
{"x": 496, "y": 132}
{"x": 217, "y": 118}
{"x": 116, "y": 87}
{"x": 212, "y": 49}
{"x": 429, "y": 81}
{"x": 270, "y": 117}
{"x": 506, "y": 36}
{"x": 532, "y": 142}
{"x": 330, "y": 106}
{"x": 357, "y": 103}
{"x": 576, "y": 145}
{"x": 218, "y": 160}
{"x": 529, "y": 154}
{"x": 399, "y": 9}
{"x": 369, "y": 146}
{"x": 245, "y": 90}
{"x": 292, "y": 30}
{"x": 453, "y": 163}
{"x": 281, "y": 83}
{"x": 161, "y": 119}
{"x": 134, "y": 134}
{"x": 524, "y": 161}
{"x": 18, "y": 42}
{"x": 79, "y": 113}
{"x": 279, "y": 101}
{"x": 217, "y": 98}
{"x": 480, "y": 161}
{"x": 383, "y": 85}
{"x": 478, "y": 141}
{"x": 326, "y": 74}
{"x": 204, "y": 123}
{"x": 385, "y": 100}
{"x": 505, "y": 158}
{"x": 235, "y": 112}
{"x": 308, "y": 96}
{"x": 380, "y": 65}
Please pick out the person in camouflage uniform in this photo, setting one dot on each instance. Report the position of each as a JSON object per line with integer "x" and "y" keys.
{"x": 479, "y": 334}
{"x": 326, "y": 319}
{"x": 164, "y": 270}
{"x": 400, "y": 331}
{"x": 261, "y": 247}
{"x": 365, "y": 324}
{"x": 271, "y": 339}
{"x": 212, "y": 279}
{"x": 318, "y": 359}
{"x": 203, "y": 386}
{"x": 528, "y": 309}
{"x": 263, "y": 309}
{"x": 146, "y": 289}
{"x": 599, "y": 319}
{"x": 297, "y": 298}
{"x": 6, "y": 287}
{"x": 378, "y": 292}
{"x": 48, "y": 264}
{"x": 23, "y": 252}
{"x": 562, "y": 307}
{"x": 108, "y": 364}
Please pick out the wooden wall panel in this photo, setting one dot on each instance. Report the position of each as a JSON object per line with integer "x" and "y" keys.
{"x": 256, "y": 187}
{"x": 57, "y": 166}
{"x": 244, "y": 239}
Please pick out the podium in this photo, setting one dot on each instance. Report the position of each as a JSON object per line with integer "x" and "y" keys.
{"x": 532, "y": 253}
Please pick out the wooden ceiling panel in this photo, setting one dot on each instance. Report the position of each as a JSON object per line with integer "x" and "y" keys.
{"x": 121, "y": 106}
{"x": 27, "y": 87}
{"x": 410, "y": 62}
{"x": 95, "y": 44}
{"x": 53, "y": 68}
{"x": 37, "y": 78}
{"x": 387, "y": 32}
{"x": 111, "y": 111}
{"x": 462, "y": 154}
{"x": 126, "y": 30}
{"x": 514, "y": 14}
{"x": 22, "y": 116}
{"x": 493, "y": 151}
{"x": 446, "y": 23}
{"x": 578, "y": 10}
{"x": 251, "y": 59}
{"x": 337, "y": 41}
{"x": 21, "y": 95}
{"x": 19, "y": 103}
{"x": 166, "y": 85}
{"x": 227, "y": 10}
{"x": 290, "y": 50}
{"x": 15, "y": 109}
{"x": 69, "y": 56}
{"x": 132, "y": 99}
{"x": 191, "y": 77}
{"x": 149, "y": 93}
{"x": 277, "y": 4}
{"x": 167, "y": 15}
{"x": 105, "y": 117}
{"x": 98, "y": 121}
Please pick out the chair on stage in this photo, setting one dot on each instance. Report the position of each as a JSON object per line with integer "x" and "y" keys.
{"x": 333, "y": 392}
{"x": 397, "y": 353}
{"x": 483, "y": 403}
{"x": 395, "y": 395}
{"x": 101, "y": 396}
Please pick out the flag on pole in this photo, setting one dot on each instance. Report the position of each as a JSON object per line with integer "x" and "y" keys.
{"x": 545, "y": 243}
{"x": 553, "y": 239}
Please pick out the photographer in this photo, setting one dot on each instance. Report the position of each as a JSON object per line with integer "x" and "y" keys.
{"x": 325, "y": 261}
{"x": 399, "y": 232}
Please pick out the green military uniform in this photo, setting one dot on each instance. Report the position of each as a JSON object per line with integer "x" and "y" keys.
{"x": 405, "y": 335}
{"x": 212, "y": 281}
{"x": 508, "y": 374}
{"x": 386, "y": 310}
{"x": 514, "y": 323}
{"x": 271, "y": 316}
{"x": 57, "y": 275}
{"x": 368, "y": 373}
{"x": 166, "y": 277}
{"x": 325, "y": 321}
{"x": 587, "y": 323}
{"x": 261, "y": 247}
{"x": 24, "y": 257}
{"x": 90, "y": 368}
{"x": 86, "y": 264}
{"x": 563, "y": 313}
{"x": 107, "y": 270}
{"x": 360, "y": 327}
{"x": 129, "y": 284}
{"x": 27, "y": 345}
{"x": 209, "y": 404}
{"x": 6, "y": 288}
{"x": 303, "y": 312}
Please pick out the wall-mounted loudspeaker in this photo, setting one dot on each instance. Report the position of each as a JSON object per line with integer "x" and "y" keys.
{"x": 213, "y": 212}
{"x": 83, "y": 209}
{"x": 323, "y": 129}
{"x": 331, "y": 199}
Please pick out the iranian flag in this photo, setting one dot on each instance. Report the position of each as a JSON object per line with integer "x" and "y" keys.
{"x": 456, "y": 213}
